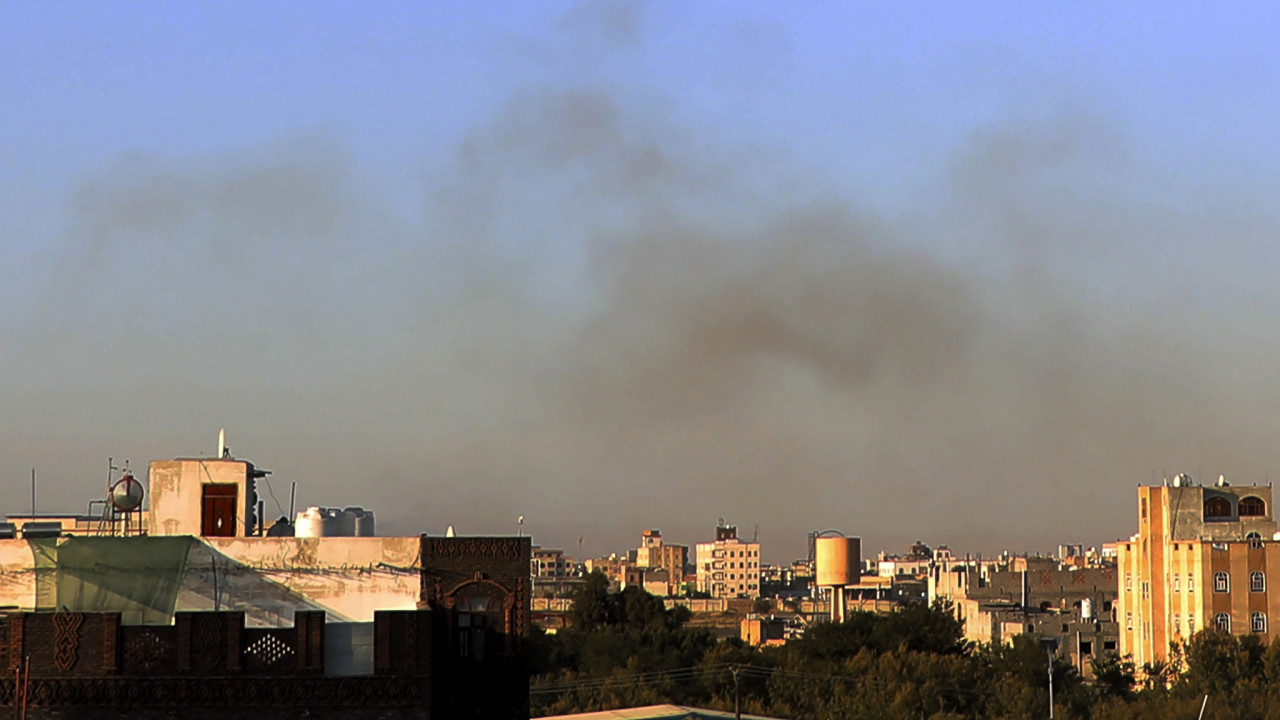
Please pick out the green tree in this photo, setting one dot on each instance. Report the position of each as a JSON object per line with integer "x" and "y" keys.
{"x": 1113, "y": 676}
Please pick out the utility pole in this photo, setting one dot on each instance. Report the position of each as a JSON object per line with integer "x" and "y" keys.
{"x": 737, "y": 706}
{"x": 1050, "y": 685}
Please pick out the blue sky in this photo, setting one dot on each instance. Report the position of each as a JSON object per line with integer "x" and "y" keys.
{"x": 378, "y": 198}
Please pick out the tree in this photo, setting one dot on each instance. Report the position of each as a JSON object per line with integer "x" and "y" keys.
{"x": 591, "y": 603}
{"x": 1113, "y": 676}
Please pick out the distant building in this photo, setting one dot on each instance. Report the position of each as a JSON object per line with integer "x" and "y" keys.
{"x": 1068, "y": 607}
{"x": 654, "y": 554}
{"x": 729, "y": 567}
{"x": 550, "y": 564}
{"x": 915, "y": 563}
{"x": 1202, "y": 558}
{"x": 612, "y": 567}
{"x": 762, "y": 630}
{"x": 553, "y": 574}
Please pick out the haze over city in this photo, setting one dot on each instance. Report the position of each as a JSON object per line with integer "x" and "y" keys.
{"x": 966, "y": 273}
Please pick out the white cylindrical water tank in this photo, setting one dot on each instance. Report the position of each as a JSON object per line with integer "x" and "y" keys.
{"x": 309, "y": 523}
{"x": 1086, "y": 609}
{"x": 838, "y": 560}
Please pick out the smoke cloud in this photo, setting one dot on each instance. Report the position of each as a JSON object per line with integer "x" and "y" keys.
{"x": 607, "y": 318}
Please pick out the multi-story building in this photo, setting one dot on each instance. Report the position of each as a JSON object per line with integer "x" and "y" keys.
{"x": 654, "y": 554}
{"x": 1062, "y": 603}
{"x": 1201, "y": 558}
{"x": 613, "y": 567}
{"x": 550, "y": 564}
{"x": 729, "y": 567}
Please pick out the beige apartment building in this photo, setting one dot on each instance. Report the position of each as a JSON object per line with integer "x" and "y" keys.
{"x": 1204, "y": 556}
{"x": 656, "y": 555}
{"x": 729, "y": 567}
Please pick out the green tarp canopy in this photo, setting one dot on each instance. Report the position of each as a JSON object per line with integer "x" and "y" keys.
{"x": 138, "y": 577}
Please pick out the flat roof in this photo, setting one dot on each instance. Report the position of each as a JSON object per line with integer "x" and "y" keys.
{"x": 655, "y": 712}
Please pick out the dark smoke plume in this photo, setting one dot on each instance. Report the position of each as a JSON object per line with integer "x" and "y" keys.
{"x": 610, "y": 319}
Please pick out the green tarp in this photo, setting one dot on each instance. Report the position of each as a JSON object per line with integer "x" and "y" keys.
{"x": 138, "y": 577}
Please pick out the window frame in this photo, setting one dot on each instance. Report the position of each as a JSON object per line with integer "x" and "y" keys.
{"x": 1221, "y": 582}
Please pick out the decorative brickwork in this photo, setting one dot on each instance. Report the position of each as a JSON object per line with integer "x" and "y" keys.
{"x": 478, "y": 591}
{"x": 75, "y": 659}
{"x": 66, "y": 639}
{"x": 229, "y": 692}
{"x": 147, "y": 650}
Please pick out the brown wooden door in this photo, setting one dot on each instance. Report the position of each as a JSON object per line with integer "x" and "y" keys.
{"x": 218, "y": 510}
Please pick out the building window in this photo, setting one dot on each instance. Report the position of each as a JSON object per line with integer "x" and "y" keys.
{"x": 1223, "y": 621}
{"x": 479, "y": 615}
{"x": 1217, "y": 507}
{"x": 1257, "y": 582}
{"x": 1177, "y": 584}
{"x": 1191, "y": 583}
{"x": 1253, "y": 506}
{"x": 1128, "y": 621}
{"x": 1255, "y": 540}
{"x": 1221, "y": 582}
{"x": 1191, "y": 624}
{"x": 1146, "y": 590}
{"x": 1128, "y": 581}
{"x": 1258, "y": 622}
{"x": 1177, "y": 623}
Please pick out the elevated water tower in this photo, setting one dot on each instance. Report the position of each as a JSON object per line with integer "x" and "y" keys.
{"x": 838, "y": 562}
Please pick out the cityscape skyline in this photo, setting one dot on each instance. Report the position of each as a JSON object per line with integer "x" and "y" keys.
{"x": 964, "y": 275}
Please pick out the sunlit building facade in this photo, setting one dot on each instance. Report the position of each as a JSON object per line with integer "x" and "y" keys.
{"x": 1204, "y": 556}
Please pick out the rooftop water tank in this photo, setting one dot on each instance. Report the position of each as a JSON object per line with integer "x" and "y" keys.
{"x": 126, "y": 494}
{"x": 363, "y": 521}
{"x": 337, "y": 523}
{"x": 41, "y": 529}
{"x": 309, "y": 523}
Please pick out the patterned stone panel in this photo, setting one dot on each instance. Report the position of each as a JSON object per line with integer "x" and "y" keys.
{"x": 270, "y": 652}
{"x": 66, "y": 644}
{"x": 148, "y": 650}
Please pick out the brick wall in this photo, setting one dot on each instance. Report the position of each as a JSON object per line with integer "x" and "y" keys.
{"x": 478, "y": 591}
{"x": 77, "y": 662}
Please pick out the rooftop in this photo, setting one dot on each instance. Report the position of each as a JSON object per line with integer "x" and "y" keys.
{"x": 655, "y": 712}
